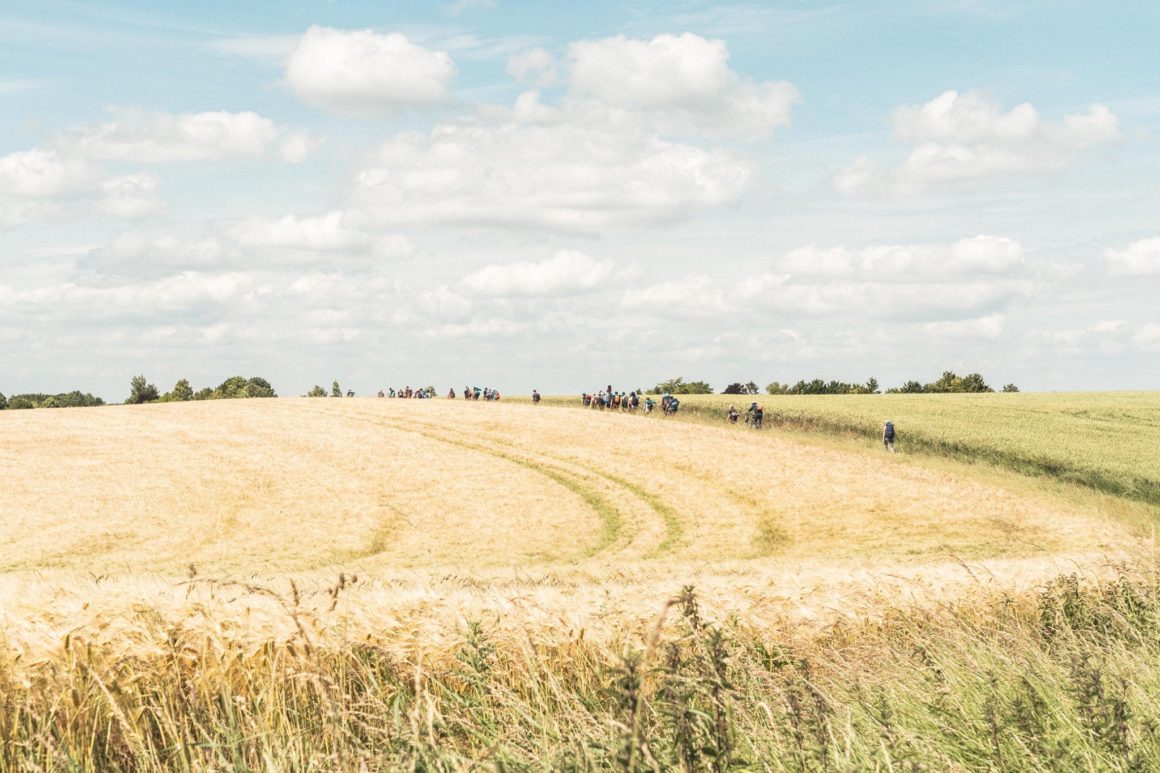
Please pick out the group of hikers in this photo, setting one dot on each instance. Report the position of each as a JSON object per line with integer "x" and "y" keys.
{"x": 475, "y": 393}
{"x": 426, "y": 393}
{"x": 754, "y": 415}
{"x": 609, "y": 399}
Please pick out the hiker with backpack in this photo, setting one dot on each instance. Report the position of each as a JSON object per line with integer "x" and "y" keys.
{"x": 755, "y": 415}
{"x": 888, "y": 436}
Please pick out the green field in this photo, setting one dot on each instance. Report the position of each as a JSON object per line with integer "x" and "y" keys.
{"x": 1109, "y": 441}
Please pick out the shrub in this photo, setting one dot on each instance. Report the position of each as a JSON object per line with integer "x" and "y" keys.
{"x": 3, "y": 401}
{"x": 316, "y": 391}
{"x": 678, "y": 386}
{"x": 182, "y": 391}
{"x": 141, "y": 392}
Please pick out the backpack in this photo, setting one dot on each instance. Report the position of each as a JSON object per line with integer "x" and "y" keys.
{"x": 889, "y": 430}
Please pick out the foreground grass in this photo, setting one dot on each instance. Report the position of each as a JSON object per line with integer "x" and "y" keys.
{"x": 1065, "y": 679}
{"x": 1108, "y": 441}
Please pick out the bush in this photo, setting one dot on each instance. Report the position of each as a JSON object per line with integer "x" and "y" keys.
{"x": 141, "y": 392}
{"x": 678, "y": 386}
{"x": 315, "y": 391}
{"x": 737, "y": 388}
{"x": 182, "y": 391}
{"x": 3, "y": 401}
{"x": 949, "y": 382}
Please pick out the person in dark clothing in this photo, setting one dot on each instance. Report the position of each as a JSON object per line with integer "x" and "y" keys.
{"x": 888, "y": 436}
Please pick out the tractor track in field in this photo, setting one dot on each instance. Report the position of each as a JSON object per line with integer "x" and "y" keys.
{"x": 570, "y": 474}
{"x": 674, "y": 531}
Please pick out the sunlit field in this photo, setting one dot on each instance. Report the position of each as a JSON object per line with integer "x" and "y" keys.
{"x": 373, "y": 583}
{"x": 1107, "y": 440}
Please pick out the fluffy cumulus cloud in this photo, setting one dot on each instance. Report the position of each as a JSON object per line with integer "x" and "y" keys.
{"x": 535, "y": 66}
{"x": 962, "y": 137}
{"x": 147, "y": 137}
{"x": 183, "y": 292}
{"x": 360, "y": 72}
{"x": 952, "y": 288}
{"x": 565, "y": 273}
{"x": 627, "y": 143}
{"x": 329, "y": 232}
{"x": 131, "y": 196}
{"x": 1105, "y": 336}
{"x": 563, "y": 176}
{"x": 1140, "y": 258}
{"x": 34, "y": 183}
{"x": 323, "y": 233}
{"x": 42, "y": 174}
{"x": 685, "y": 79}
{"x": 570, "y": 177}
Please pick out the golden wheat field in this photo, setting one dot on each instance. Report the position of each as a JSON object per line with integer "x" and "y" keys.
{"x": 405, "y": 520}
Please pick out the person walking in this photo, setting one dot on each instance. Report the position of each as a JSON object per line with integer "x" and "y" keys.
{"x": 888, "y": 435}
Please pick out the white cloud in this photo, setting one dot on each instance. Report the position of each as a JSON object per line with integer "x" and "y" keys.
{"x": 139, "y": 136}
{"x": 297, "y": 146}
{"x": 980, "y": 254}
{"x": 965, "y": 118}
{"x": 968, "y": 137}
{"x": 330, "y": 232}
{"x": 323, "y": 233}
{"x": 35, "y": 183}
{"x": 138, "y": 253}
{"x": 444, "y": 303}
{"x": 459, "y": 6}
{"x": 359, "y": 72}
{"x": 959, "y": 287}
{"x": 535, "y": 66}
{"x": 1108, "y": 336}
{"x": 623, "y": 147}
{"x": 685, "y": 80}
{"x": 990, "y": 326}
{"x": 1148, "y": 335}
{"x": 262, "y": 48}
{"x": 484, "y": 327}
{"x": 1141, "y": 258}
{"x": 565, "y": 273}
{"x": 132, "y": 196}
{"x": 695, "y": 295}
{"x": 569, "y": 177}
{"x": 42, "y": 174}
{"x": 179, "y": 292}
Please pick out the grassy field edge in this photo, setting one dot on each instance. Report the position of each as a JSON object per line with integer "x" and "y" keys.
{"x": 803, "y": 420}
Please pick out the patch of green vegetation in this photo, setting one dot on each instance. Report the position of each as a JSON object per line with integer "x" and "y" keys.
{"x": 1106, "y": 441}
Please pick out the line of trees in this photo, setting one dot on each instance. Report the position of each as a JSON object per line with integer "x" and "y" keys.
{"x": 235, "y": 387}
{"x": 73, "y": 399}
{"x": 678, "y": 386}
{"x": 948, "y": 382}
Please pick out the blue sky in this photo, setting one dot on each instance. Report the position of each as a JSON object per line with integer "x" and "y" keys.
{"x": 563, "y": 195}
